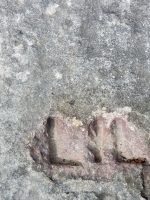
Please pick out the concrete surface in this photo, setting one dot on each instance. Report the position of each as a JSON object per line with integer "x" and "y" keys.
{"x": 72, "y": 57}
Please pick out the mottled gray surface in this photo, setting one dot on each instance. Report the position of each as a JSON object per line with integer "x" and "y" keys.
{"x": 95, "y": 52}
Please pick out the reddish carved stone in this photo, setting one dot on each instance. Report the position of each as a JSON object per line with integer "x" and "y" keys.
{"x": 65, "y": 143}
{"x": 109, "y": 143}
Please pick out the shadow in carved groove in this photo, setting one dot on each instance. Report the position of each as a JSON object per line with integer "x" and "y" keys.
{"x": 119, "y": 134}
{"x": 51, "y": 129}
{"x": 118, "y": 129}
{"x": 96, "y": 132}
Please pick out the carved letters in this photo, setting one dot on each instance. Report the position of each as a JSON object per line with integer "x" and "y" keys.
{"x": 108, "y": 142}
{"x": 60, "y": 143}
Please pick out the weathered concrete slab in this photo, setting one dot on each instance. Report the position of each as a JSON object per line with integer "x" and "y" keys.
{"x": 74, "y": 57}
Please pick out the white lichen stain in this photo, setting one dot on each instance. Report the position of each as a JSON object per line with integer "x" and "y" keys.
{"x": 104, "y": 109}
{"x": 19, "y": 54}
{"x": 21, "y": 1}
{"x": 51, "y": 9}
{"x": 69, "y": 3}
{"x": 23, "y": 76}
{"x": 58, "y": 75}
{"x": 124, "y": 111}
{"x": 76, "y": 122}
{"x": 19, "y": 48}
{"x": 128, "y": 2}
{"x": 97, "y": 81}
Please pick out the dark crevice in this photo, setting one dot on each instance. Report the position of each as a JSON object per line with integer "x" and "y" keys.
{"x": 116, "y": 154}
{"x": 92, "y": 146}
{"x": 52, "y": 132}
{"x": 143, "y": 191}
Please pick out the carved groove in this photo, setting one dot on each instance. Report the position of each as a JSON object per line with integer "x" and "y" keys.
{"x": 65, "y": 149}
{"x": 53, "y": 135}
{"x": 119, "y": 136}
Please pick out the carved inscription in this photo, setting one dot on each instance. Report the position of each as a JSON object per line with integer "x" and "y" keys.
{"x": 109, "y": 142}
{"x": 62, "y": 145}
{"x": 97, "y": 133}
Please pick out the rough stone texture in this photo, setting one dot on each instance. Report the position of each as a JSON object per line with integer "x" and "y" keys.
{"x": 75, "y": 57}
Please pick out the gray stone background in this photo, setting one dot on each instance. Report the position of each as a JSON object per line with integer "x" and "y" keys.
{"x": 95, "y": 52}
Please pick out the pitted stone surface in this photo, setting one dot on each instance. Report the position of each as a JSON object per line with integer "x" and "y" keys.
{"x": 72, "y": 57}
